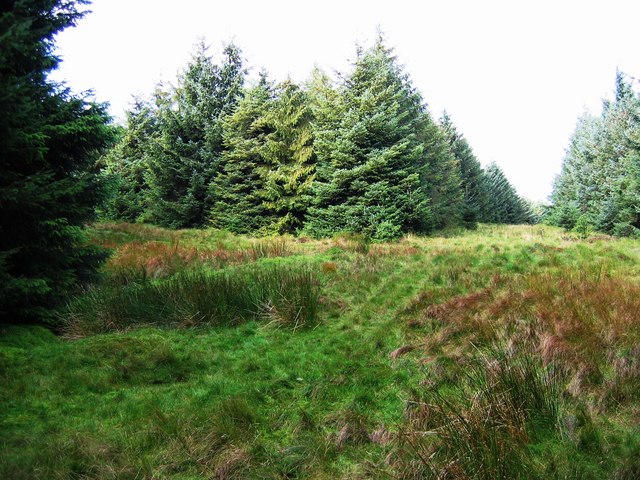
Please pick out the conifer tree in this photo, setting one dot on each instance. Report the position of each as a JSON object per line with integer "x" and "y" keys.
{"x": 574, "y": 187}
{"x": 238, "y": 191}
{"x": 49, "y": 141}
{"x": 598, "y": 184}
{"x": 125, "y": 165}
{"x": 472, "y": 182}
{"x": 369, "y": 168}
{"x": 185, "y": 151}
{"x": 441, "y": 176}
{"x": 505, "y": 206}
{"x": 290, "y": 159}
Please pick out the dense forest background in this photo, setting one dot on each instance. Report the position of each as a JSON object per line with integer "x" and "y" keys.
{"x": 363, "y": 155}
{"x": 598, "y": 188}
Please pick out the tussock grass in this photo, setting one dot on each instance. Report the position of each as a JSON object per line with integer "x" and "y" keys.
{"x": 137, "y": 262}
{"x": 560, "y": 321}
{"x": 283, "y": 294}
{"x": 482, "y": 431}
{"x": 277, "y": 247}
{"x": 352, "y": 242}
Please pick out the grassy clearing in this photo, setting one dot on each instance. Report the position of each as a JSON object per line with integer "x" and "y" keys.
{"x": 507, "y": 352}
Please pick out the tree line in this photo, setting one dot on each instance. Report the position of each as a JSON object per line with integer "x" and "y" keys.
{"x": 362, "y": 155}
{"x": 598, "y": 187}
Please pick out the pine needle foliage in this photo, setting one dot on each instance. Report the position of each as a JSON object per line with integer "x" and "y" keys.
{"x": 290, "y": 158}
{"x": 49, "y": 142}
{"x": 598, "y": 186}
{"x": 370, "y": 160}
{"x": 237, "y": 191}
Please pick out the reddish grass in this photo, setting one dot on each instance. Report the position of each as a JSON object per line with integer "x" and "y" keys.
{"x": 329, "y": 267}
{"x": 574, "y": 320}
{"x": 396, "y": 249}
{"x": 144, "y": 260}
{"x": 398, "y": 352}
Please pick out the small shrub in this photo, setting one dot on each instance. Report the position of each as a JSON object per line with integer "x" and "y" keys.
{"x": 626, "y": 230}
{"x": 582, "y": 227}
{"x": 387, "y": 232}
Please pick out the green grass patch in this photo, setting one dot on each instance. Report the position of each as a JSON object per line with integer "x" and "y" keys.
{"x": 504, "y": 352}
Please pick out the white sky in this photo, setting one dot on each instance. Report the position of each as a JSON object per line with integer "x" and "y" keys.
{"x": 513, "y": 75}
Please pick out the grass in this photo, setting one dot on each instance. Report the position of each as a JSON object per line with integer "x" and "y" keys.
{"x": 284, "y": 294}
{"x": 483, "y": 430}
{"x": 506, "y": 352}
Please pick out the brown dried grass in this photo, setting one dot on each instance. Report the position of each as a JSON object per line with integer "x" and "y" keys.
{"x": 578, "y": 321}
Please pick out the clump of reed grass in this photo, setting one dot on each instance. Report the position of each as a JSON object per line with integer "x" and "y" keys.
{"x": 266, "y": 248}
{"x": 483, "y": 431}
{"x": 287, "y": 294}
{"x": 140, "y": 261}
{"x": 137, "y": 261}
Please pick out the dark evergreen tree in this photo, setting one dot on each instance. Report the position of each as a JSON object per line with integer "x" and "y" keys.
{"x": 505, "y": 206}
{"x": 618, "y": 165}
{"x": 185, "y": 151}
{"x": 238, "y": 191}
{"x": 598, "y": 185}
{"x": 574, "y": 188}
{"x": 370, "y": 163}
{"x": 49, "y": 140}
{"x": 441, "y": 176}
{"x": 472, "y": 182}
{"x": 125, "y": 164}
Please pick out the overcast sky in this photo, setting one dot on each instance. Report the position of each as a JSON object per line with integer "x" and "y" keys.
{"x": 513, "y": 75}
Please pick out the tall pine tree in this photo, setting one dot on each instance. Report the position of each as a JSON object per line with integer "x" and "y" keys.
{"x": 125, "y": 164}
{"x": 290, "y": 158}
{"x": 505, "y": 206}
{"x": 472, "y": 183}
{"x": 370, "y": 162}
{"x": 238, "y": 191}
{"x": 598, "y": 184}
{"x": 184, "y": 152}
{"x": 49, "y": 141}
{"x": 441, "y": 176}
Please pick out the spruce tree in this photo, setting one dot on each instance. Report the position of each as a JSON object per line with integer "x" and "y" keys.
{"x": 574, "y": 188}
{"x": 290, "y": 159}
{"x": 441, "y": 175}
{"x": 238, "y": 192}
{"x": 125, "y": 164}
{"x": 472, "y": 181}
{"x": 370, "y": 163}
{"x": 505, "y": 206}
{"x": 184, "y": 152}
{"x": 49, "y": 141}
{"x": 598, "y": 184}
